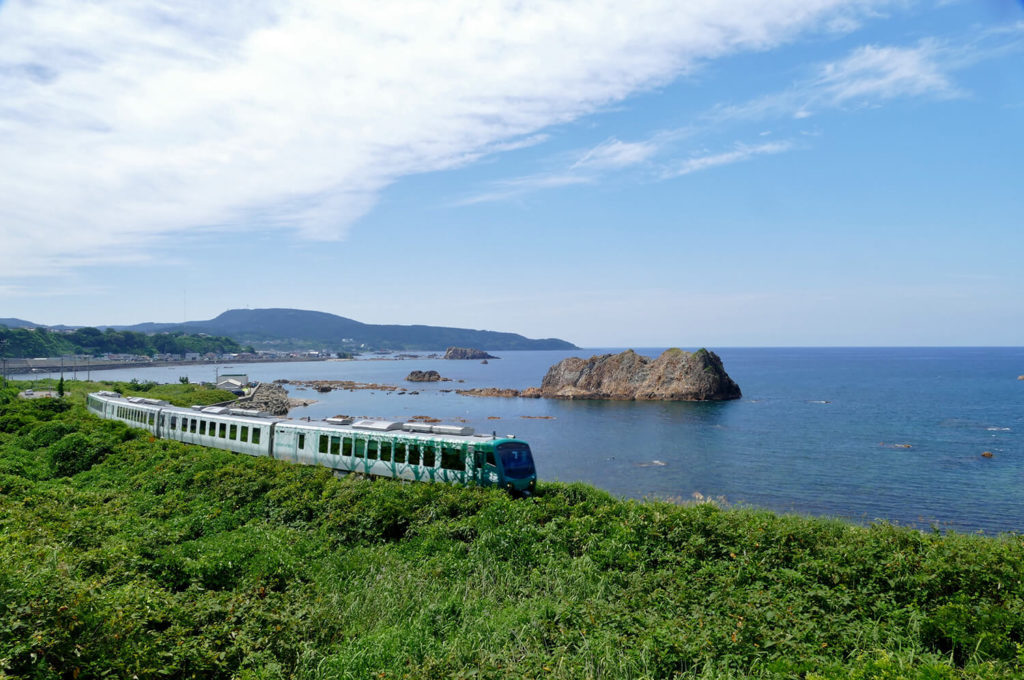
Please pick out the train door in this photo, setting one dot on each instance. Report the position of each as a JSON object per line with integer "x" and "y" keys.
{"x": 285, "y": 445}
{"x": 490, "y": 468}
{"x": 475, "y": 465}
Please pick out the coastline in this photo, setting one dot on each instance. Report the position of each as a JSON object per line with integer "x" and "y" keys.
{"x": 25, "y": 367}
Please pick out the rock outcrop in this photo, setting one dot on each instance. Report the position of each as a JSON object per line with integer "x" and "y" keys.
{"x": 269, "y": 398}
{"x": 424, "y": 376}
{"x": 674, "y": 376}
{"x": 467, "y": 353}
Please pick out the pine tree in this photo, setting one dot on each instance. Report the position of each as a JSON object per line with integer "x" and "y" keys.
{"x": 60, "y": 387}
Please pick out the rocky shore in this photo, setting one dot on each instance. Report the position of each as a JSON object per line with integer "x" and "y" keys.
{"x": 269, "y": 398}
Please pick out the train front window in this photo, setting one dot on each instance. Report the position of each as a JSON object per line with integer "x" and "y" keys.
{"x": 516, "y": 460}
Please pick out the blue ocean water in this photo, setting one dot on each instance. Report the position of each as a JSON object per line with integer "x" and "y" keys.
{"x": 857, "y": 433}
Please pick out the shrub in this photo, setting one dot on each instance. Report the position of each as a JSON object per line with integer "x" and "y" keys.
{"x": 76, "y": 453}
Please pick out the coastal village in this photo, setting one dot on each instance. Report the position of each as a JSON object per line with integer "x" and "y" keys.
{"x": 83, "y": 362}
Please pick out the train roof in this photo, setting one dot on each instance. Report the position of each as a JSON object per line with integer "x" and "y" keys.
{"x": 413, "y": 430}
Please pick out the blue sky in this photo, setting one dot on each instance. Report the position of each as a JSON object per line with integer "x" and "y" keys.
{"x": 739, "y": 173}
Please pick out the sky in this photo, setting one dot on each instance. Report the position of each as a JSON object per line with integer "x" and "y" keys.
{"x": 643, "y": 173}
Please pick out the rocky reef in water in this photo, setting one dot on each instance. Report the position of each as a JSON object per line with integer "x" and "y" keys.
{"x": 674, "y": 376}
{"x": 467, "y": 353}
{"x": 426, "y": 376}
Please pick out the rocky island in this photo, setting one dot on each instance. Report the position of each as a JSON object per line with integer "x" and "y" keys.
{"x": 426, "y": 376}
{"x": 674, "y": 376}
{"x": 461, "y": 353}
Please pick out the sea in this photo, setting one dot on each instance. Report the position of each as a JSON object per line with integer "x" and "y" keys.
{"x": 931, "y": 438}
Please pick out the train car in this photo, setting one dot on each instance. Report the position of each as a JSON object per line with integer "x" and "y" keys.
{"x": 135, "y": 411}
{"x": 237, "y": 430}
{"x": 411, "y": 451}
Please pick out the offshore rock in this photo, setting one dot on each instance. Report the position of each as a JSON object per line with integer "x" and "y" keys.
{"x": 674, "y": 376}
{"x": 467, "y": 353}
{"x": 424, "y": 376}
{"x": 490, "y": 392}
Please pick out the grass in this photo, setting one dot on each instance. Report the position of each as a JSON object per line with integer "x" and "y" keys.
{"x": 157, "y": 559}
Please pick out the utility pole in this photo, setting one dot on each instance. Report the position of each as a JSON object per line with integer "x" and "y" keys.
{"x": 3, "y": 345}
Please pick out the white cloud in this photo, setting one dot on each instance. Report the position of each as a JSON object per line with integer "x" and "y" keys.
{"x": 126, "y": 121}
{"x": 741, "y": 153}
{"x": 867, "y": 75}
{"x": 614, "y": 154}
{"x": 873, "y": 72}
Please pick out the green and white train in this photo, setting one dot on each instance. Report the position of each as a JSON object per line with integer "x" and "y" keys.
{"x": 412, "y": 451}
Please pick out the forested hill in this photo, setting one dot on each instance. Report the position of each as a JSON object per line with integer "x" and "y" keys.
{"x": 296, "y": 328}
{"x": 42, "y": 342}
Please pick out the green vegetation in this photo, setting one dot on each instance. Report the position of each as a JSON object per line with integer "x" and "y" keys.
{"x": 126, "y": 557}
{"x": 40, "y": 342}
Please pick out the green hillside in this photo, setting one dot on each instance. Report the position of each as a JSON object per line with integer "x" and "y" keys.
{"x": 130, "y": 558}
{"x": 42, "y": 342}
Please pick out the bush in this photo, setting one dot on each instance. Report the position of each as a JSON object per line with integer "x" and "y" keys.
{"x": 76, "y": 453}
{"x": 47, "y": 434}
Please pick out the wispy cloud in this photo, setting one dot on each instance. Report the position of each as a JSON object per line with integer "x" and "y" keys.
{"x": 519, "y": 186}
{"x": 124, "y": 122}
{"x": 873, "y": 74}
{"x": 741, "y": 153}
{"x": 613, "y": 154}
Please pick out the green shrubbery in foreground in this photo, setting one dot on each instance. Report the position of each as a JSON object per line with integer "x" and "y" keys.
{"x": 156, "y": 559}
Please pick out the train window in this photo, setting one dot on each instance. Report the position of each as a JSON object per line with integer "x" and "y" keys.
{"x": 174, "y": 422}
{"x": 429, "y": 456}
{"x": 202, "y": 427}
{"x": 385, "y": 451}
{"x": 233, "y": 432}
{"x": 256, "y": 434}
{"x": 414, "y": 454}
{"x": 152, "y": 419}
{"x": 223, "y": 431}
{"x": 192, "y": 425}
{"x": 335, "y": 445}
{"x": 359, "y": 448}
{"x": 245, "y": 433}
{"x": 371, "y": 450}
{"x": 323, "y": 443}
{"x": 451, "y": 459}
{"x": 302, "y": 440}
{"x": 399, "y": 452}
{"x": 346, "y": 446}
{"x": 490, "y": 458}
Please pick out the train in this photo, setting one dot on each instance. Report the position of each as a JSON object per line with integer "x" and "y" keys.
{"x": 412, "y": 451}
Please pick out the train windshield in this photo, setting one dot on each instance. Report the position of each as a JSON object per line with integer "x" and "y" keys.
{"x": 516, "y": 460}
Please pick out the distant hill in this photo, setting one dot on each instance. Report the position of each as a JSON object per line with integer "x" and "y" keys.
{"x": 297, "y": 328}
{"x": 18, "y": 323}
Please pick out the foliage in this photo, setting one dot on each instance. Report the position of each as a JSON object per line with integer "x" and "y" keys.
{"x": 42, "y": 342}
{"x": 170, "y": 560}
